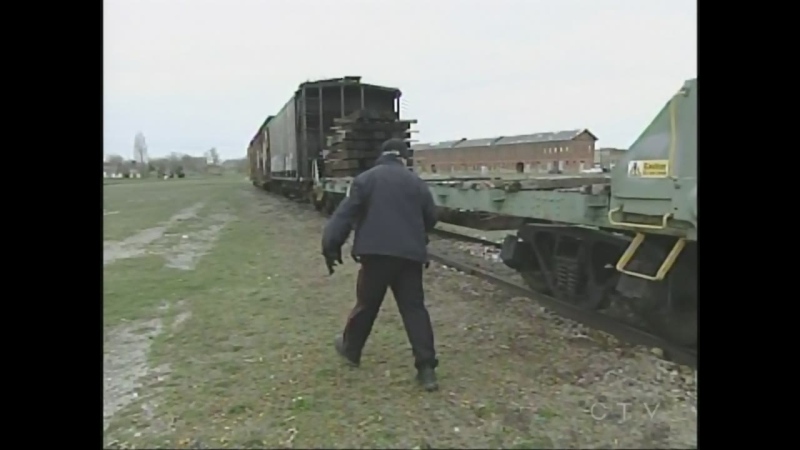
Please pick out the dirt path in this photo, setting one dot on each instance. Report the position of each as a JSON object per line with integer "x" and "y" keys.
{"x": 137, "y": 245}
{"x": 126, "y": 366}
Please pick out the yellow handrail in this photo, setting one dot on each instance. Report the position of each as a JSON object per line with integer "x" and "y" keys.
{"x": 669, "y": 261}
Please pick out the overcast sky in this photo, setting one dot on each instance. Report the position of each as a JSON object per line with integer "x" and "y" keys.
{"x": 196, "y": 74}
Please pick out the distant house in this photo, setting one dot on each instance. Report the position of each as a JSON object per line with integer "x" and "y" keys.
{"x": 109, "y": 170}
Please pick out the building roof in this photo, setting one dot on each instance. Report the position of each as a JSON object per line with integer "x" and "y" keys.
{"x": 433, "y": 145}
{"x": 485, "y": 142}
{"x": 551, "y": 136}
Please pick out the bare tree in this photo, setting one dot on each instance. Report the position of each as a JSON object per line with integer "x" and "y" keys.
{"x": 213, "y": 155}
{"x": 176, "y": 165}
{"x": 161, "y": 166}
{"x": 189, "y": 164}
{"x": 114, "y": 163}
{"x": 140, "y": 152}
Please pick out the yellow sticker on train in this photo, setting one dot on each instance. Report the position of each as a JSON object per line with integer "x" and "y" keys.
{"x": 656, "y": 168}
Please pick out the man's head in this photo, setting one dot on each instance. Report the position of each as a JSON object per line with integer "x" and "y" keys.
{"x": 396, "y": 147}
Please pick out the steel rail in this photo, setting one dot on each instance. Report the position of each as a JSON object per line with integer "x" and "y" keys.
{"x": 591, "y": 319}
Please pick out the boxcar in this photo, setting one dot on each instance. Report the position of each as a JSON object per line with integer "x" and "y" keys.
{"x": 284, "y": 151}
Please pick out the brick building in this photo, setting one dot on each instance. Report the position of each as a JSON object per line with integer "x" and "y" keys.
{"x": 568, "y": 151}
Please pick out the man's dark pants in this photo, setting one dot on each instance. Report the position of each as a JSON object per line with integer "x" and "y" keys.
{"x": 404, "y": 278}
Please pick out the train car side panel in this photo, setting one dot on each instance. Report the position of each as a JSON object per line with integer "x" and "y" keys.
{"x": 254, "y": 163}
{"x": 282, "y": 134}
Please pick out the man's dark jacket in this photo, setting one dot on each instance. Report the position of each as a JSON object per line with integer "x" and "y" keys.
{"x": 391, "y": 209}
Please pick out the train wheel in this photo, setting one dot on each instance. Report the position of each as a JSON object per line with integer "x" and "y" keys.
{"x": 318, "y": 205}
{"x": 535, "y": 280}
{"x": 329, "y": 204}
{"x": 672, "y": 313}
{"x": 317, "y": 199}
{"x": 569, "y": 270}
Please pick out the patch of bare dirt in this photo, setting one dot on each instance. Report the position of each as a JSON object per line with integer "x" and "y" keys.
{"x": 194, "y": 245}
{"x": 126, "y": 368}
{"x": 125, "y": 364}
{"x": 136, "y": 245}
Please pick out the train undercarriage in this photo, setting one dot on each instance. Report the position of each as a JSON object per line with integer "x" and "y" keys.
{"x": 655, "y": 277}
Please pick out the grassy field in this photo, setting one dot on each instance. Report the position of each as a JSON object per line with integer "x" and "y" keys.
{"x": 219, "y": 318}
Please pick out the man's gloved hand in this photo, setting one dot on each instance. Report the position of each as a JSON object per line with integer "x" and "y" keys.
{"x": 427, "y": 241}
{"x": 332, "y": 258}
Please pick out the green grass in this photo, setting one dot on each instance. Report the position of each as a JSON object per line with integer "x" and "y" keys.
{"x": 236, "y": 350}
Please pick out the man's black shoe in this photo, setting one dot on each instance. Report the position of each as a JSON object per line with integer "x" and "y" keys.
{"x": 338, "y": 343}
{"x": 427, "y": 379}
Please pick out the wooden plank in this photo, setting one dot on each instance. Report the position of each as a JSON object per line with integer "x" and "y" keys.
{"x": 370, "y": 134}
{"x": 353, "y": 154}
{"x": 355, "y": 145}
{"x": 370, "y": 126}
{"x": 353, "y": 137}
{"x": 372, "y": 120}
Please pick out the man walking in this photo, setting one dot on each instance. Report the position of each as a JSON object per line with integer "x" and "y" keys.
{"x": 392, "y": 211}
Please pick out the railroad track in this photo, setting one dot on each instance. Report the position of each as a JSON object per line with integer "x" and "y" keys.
{"x": 598, "y": 321}
{"x": 466, "y": 238}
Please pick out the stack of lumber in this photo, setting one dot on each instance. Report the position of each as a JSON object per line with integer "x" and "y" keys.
{"x": 355, "y": 141}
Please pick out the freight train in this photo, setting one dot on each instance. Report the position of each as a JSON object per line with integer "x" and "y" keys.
{"x": 629, "y": 236}
{"x": 329, "y": 127}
